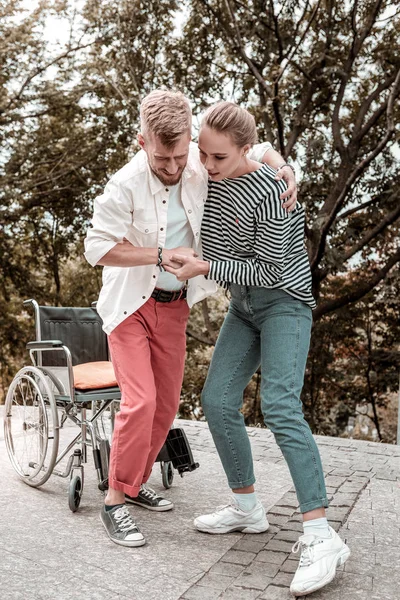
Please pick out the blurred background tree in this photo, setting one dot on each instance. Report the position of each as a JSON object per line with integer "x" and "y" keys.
{"x": 321, "y": 77}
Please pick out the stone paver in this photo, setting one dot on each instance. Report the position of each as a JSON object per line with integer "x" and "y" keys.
{"x": 47, "y": 552}
{"x": 359, "y": 490}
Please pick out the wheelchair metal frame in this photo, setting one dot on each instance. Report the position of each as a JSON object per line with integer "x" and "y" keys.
{"x": 54, "y": 396}
{"x": 37, "y": 394}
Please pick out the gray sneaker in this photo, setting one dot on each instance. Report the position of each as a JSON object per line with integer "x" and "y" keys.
{"x": 120, "y": 526}
{"x": 150, "y": 500}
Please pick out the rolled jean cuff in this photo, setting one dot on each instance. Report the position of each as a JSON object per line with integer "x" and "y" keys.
{"x": 131, "y": 490}
{"x": 321, "y": 503}
{"x": 235, "y": 485}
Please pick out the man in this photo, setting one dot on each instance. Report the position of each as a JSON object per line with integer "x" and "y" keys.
{"x": 151, "y": 209}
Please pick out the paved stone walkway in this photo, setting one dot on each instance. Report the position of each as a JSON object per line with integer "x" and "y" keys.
{"x": 363, "y": 484}
{"x": 47, "y": 552}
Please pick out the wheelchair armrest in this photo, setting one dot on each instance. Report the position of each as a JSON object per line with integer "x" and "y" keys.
{"x": 44, "y": 345}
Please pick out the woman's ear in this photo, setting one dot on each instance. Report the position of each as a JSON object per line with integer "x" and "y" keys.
{"x": 245, "y": 149}
{"x": 140, "y": 140}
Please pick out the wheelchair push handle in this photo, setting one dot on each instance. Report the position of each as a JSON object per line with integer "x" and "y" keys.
{"x": 30, "y": 302}
{"x": 44, "y": 345}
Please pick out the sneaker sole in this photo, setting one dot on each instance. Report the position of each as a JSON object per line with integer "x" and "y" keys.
{"x": 155, "y": 508}
{"x": 240, "y": 529}
{"x": 343, "y": 556}
{"x": 130, "y": 544}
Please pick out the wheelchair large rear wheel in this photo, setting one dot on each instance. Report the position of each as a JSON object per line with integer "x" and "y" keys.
{"x": 31, "y": 428}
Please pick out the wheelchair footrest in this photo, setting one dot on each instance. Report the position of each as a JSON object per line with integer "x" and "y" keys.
{"x": 177, "y": 450}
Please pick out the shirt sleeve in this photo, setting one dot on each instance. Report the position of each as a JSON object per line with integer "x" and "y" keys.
{"x": 257, "y": 152}
{"x": 271, "y": 240}
{"x": 111, "y": 220}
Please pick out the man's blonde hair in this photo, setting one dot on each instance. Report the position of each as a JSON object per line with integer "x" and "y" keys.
{"x": 233, "y": 120}
{"x": 166, "y": 115}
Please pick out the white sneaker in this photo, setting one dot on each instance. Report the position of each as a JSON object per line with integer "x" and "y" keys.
{"x": 231, "y": 518}
{"x": 318, "y": 561}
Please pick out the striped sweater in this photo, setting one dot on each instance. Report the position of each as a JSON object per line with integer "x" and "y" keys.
{"x": 250, "y": 239}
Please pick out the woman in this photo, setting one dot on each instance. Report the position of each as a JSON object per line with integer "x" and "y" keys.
{"x": 256, "y": 248}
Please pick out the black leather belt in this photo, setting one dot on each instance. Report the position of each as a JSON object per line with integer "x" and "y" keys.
{"x": 166, "y": 296}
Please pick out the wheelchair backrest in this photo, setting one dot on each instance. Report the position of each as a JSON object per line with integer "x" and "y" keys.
{"x": 80, "y": 329}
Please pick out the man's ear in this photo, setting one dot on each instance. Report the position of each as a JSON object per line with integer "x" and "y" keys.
{"x": 141, "y": 140}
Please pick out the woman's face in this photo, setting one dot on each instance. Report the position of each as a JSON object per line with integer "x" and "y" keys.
{"x": 220, "y": 155}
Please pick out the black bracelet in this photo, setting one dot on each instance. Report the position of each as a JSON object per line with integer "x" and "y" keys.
{"x": 159, "y": 259}
{"x": 287, "y": 165}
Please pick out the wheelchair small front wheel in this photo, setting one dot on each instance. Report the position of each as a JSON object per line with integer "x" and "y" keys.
{"x": 75, "y": 493}
{"x": 167, "y": 474}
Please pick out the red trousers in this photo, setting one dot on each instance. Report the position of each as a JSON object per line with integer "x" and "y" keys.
{"x": 148, "y": 354}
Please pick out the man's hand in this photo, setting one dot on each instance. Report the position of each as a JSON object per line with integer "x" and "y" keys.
{"x": 290, "y": 194}
{"x": 169, "y": 261}
{"x": 189, "y": 266}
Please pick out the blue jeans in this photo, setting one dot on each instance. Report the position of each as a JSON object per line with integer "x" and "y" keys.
{"x": 271, "y": 328}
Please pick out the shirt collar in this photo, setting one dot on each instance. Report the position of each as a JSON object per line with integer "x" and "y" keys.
{"x": 155, "y": 183}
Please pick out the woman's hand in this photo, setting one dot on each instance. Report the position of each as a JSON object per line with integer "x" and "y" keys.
{"x": 190, "y": 267}
{"x": 169, "y": 261}
{"x": 287, "y": 174}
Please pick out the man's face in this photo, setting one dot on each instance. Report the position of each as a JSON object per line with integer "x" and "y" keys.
{"x": 166, "y": 163}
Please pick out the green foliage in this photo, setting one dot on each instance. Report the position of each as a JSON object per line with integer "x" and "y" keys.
{"x": 355, "y": 361}
{"x": 68, "y": 120}
{"x": 322, "y": 79}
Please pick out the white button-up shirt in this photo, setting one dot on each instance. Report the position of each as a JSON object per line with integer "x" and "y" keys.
{"x": 134, "y": 206}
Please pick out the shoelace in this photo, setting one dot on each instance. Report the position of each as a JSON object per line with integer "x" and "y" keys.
{"x": 149, "y": 493}
{"x": 231, "y": 504}
{"x": 305, "y": 543}
{"x": 124, "y": 519}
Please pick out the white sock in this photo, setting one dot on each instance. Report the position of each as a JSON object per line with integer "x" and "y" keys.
{"x": 245, "y": 502}
{"x": 318, "y": 527}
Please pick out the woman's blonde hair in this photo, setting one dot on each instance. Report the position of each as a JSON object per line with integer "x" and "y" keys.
{"x": 231, "y": 119}
{"x": 166, "y": 115}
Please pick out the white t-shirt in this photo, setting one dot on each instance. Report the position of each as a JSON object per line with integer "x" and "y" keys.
{"x": 179, "y": 233}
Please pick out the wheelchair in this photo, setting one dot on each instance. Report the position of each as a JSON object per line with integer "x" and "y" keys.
{"x": 71, "y": 383}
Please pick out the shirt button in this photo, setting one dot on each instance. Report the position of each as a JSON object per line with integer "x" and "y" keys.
{"x": 146, "y": 231}
{"x": 197, "y": 234}
{"x": 125, "y": 312}
{"x": 161, "y": 228}
{"x": 167, "y": 189}
{"x": 164, "y": 202}
{"x": 154, "y": 276}
{"x": 190, "y": 212}
{"x": 144, "y": 297}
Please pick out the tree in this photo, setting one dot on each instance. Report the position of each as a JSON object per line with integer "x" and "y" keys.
{"x": 354, "y": 361}
{"x": 323, "y": 81}
{"x": 68, "y": 117}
